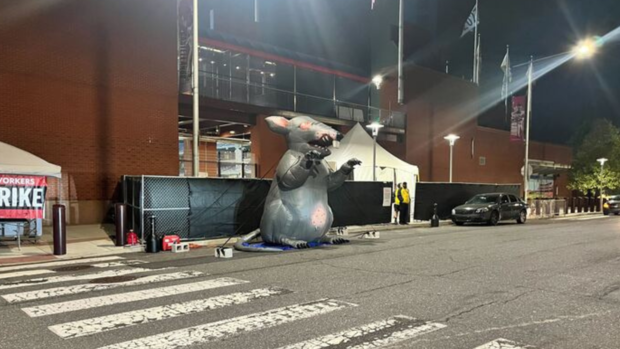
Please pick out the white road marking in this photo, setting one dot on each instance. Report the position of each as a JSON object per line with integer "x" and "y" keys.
{"x": 231, "y": 327}
{"x": 116, "y": 321}
{"x": 128, "y": 297}
{"x": 501, "y": 344}
{"x": 65, "y": 278}
{"x": 591, "y": 218}
{"x": 77, "y": 289}
{"x": 25, "y": 273}
{"x": 59, "y": 263}
{"x": 51, "y": 271}
{"x": 374, "y": 335}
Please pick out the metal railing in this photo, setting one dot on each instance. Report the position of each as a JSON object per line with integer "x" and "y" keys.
{"x": 222, "y": 168}
{"x": 263, "y": 94}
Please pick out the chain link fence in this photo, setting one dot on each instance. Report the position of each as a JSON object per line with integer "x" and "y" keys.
{"x": 166, "y": 198}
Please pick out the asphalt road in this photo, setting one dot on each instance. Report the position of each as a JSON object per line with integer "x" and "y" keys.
{"x": 543, "y": 284}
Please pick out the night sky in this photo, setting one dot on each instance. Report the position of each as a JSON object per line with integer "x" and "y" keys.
{"x": 571, "y": 94}
{"x": 338, "y": 30}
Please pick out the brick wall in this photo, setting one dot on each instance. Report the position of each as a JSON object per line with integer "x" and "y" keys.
{"x": 91, "y": 86}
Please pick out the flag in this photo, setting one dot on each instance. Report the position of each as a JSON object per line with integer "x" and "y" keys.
{"x": 472, "y": 21}
{"x": 517, "y": 118}
{"x": 507, "y": 78}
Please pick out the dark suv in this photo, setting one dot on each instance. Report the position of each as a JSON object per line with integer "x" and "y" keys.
{"x": 612, "y": 205}
{"x": 490, "y": 208}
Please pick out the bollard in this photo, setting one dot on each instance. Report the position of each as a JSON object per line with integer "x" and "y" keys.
{"x": 121, "y": 220}
{"x": 60, "y": 230}
{"x": 435, "y": 219}
{"x": 151, "y": 245}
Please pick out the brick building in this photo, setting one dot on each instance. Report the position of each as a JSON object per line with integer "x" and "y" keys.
{"x": 93, "y": 87}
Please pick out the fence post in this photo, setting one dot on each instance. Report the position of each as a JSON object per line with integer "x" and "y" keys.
{"x": 60, "y": 230}
{"x": 121, "y": 220}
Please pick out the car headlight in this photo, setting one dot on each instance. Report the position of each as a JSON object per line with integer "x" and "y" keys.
{"x": 482, "y": 210}
{"x": 453, "y": 211}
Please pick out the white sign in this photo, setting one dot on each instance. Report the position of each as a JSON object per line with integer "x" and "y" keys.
{"x": 387, "y": 197}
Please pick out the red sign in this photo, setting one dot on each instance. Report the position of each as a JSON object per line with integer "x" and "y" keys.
{"x": 22, "y": 197}
{"x": 517, "y": 119}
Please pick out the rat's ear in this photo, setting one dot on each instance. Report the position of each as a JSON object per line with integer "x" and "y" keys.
{"x": 278, "y": 124}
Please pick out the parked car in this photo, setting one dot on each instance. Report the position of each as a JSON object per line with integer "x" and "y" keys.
{"x": 490, "y": 208}
{"x": 612, "y": 205}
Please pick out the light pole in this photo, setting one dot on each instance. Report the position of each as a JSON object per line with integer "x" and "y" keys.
{"x": 375, "y": 126}
{"x": 451, "y": 138}
{"x": 602, "y": 161}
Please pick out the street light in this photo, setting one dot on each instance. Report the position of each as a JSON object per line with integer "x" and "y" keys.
{"x": 451, "y": 138}
{"x": 377, "y": 80}
{"x": 602, "y": 161}
{"x": 375, "y": 126}
{"x": 587, "y": 48}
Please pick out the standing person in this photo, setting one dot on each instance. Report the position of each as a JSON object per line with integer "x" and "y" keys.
{"x": 396, "y": 203}
{"x": 404, "y": 200}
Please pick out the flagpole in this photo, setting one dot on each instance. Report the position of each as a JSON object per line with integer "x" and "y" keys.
{"x": 195, "y": 73}
{"x": 507, "y": 77}
{"x": 526, "y": 174}
{"x": 475, "y": 44}
{"x": 401, "y": 21}
{"x": 479, "y": 59}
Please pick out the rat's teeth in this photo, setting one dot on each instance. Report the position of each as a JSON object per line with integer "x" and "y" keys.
{"x": 336, "y": 144}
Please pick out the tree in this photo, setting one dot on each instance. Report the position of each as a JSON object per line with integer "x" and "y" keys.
{"x": 599, "y": 139}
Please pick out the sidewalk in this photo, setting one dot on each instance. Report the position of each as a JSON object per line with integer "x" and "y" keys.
{"x": 95, "y": 240}
{"x": 82, "y": 241}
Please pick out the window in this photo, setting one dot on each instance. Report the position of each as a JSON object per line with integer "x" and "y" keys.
{"x": 482, "y": 161}
{"x": 505, "y": 199}
{"x": 513, "y": 198}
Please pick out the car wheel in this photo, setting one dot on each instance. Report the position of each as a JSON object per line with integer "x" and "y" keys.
{"x": 494, "y": 218}
{"x": 606, "y": 213}
{"x": 459, "y": 223}
{"x": 522, "y": 217}
{"x": 617, "y": 213}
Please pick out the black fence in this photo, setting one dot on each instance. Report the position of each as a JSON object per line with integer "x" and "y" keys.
{"x": 204, "y": 208}
{"x": 449, "y": 195}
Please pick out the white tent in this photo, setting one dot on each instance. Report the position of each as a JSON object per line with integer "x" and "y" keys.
{"x": 19, "y": 162}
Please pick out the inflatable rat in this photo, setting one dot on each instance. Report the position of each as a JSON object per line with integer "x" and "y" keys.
{"x": 296, "y": 209}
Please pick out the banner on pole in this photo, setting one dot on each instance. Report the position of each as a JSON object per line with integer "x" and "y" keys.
{"x": 517, "y": 119}
{"x": 184, "y": 31}
{"x": 22, "y": 197}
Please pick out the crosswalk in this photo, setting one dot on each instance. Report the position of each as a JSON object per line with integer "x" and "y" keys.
{"x": 53, "y": 283}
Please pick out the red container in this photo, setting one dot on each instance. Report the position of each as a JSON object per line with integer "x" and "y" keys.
{"x": 132, "y": 238}
{"x": 168, "y": 241}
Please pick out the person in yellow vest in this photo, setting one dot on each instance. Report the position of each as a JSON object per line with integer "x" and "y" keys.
{"x": 396, "y": 203}
{"x": 404, "y": 199}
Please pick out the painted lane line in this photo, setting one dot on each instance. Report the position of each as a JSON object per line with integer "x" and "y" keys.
{"x": 51, "y": 271}
{"x": 79, "y": 277}
{"x": 59, "y": 263}
{"x": 374, "y": 335}
{"x": 220, "y": 330}
{"x": 129, "y": 297}
{"x": 25, "y": 273}
{"x": 502, "y": 344}
{"x": 116, "y": 321}
{"x": 77, "y": 289}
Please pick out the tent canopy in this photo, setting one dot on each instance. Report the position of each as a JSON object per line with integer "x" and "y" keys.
{"x": 358, "y": 144}
{"x": 20, "y": 162}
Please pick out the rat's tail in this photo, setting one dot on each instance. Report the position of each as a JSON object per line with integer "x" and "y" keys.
{"x": 242, "y": 244}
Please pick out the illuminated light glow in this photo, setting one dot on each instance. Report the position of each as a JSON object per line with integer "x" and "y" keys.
{"x": 452, "y": 138}
{"x": 377, "y": 80}
{"x": 232, "y": 132}
{"x": 272, "y": 75}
